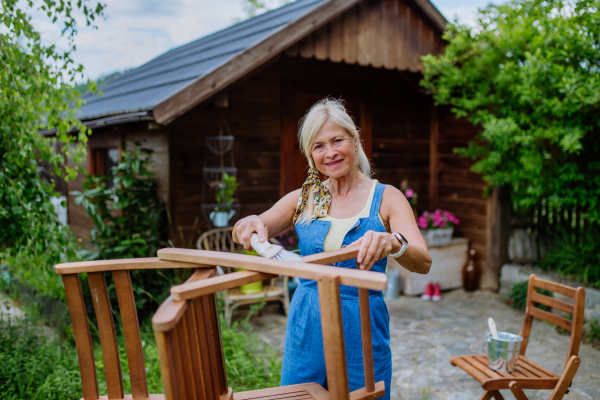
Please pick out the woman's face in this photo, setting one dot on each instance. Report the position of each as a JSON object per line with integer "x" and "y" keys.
{"x": 333, "y": 151}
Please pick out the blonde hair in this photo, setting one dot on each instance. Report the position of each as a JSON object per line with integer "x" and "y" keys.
{"x": 310, "y": 125}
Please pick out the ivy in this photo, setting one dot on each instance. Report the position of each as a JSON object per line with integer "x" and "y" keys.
{"x": 36, "y": 95}
{"x": 529, "y": 75}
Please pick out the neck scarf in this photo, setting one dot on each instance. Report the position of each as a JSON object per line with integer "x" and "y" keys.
{"x": 321, "y": 196}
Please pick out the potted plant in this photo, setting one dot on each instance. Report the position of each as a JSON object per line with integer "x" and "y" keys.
{"x": 223, "y": 213}
{"x": 437, "y": 227}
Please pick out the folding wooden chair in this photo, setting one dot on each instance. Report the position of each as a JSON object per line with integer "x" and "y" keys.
{"x": 187, "y": 326}
{"x": 528, "y": 374}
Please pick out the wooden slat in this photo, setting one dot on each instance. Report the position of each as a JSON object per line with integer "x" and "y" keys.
{"x": 367, "y": 340}
{"x": 122, "y": 265}
{"x": 131, "y": 331}
{"x": 363, "y": 394}
{"x": 364, "y": 34}
{"x": 415, "y": 40}
{"x": 537, "y": 367}
{"x": 402, "y": 35}
{"x": 232, "y": 280}
{"x": 166, "y": 373}
{"x": 333, "y": 337}
{"x": 108, "y": 336}
{"x": 528, "y": 321}
{"x": 554, "y": 287}
{"x": 219, "y": 345}
{"x": 336, "y": 39}
{"x": 185, "y": 356}
{"x": 203, "y": 343}
{"x": 553, "y": 319}
{"x": 194, "y": 348}
{"x": 469, "y": 369}
{"x": 484, "y": 361}
{"x": 390, "y": 29}
{"x": 482, "y": 367}
{"x": 526, "y": 383}
{"x": 83, "y": 340}
{"x": 350, "y": 48}
{"x": 307, "y": 46}
{"x": 322, "y": 43}
{"x": 332, "y": 257}
{"x": 350, "y": 277}
{"x": 171, "y": 310}
{"x": 314, "y": 389}
{"x": 551, "y": 302}
{"x": 377, "y": 34}
{"x": 534, "y": 371}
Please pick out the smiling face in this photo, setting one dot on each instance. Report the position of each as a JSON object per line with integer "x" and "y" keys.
{"x": 333, "y": 151}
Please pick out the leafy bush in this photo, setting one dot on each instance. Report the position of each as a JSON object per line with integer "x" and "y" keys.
{"x": 576, "y": 256}
{"x": 518, "y": 296}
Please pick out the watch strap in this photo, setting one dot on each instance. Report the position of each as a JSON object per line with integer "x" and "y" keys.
{"x": 403, "y": 242}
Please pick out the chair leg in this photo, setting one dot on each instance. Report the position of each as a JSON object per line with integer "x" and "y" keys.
{"x": 497, "y": 395}
{"x": 486, "y": 396}
{"x": 566, "y": 378}
{"x": 517, "y": 391}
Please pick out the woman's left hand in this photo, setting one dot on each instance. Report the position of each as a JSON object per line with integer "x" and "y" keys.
{"x": 374, "y": 246}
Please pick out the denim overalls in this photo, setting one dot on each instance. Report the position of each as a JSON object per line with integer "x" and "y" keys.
{"x": 303, "y": 358}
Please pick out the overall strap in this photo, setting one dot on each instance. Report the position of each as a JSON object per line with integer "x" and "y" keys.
{"x": 376, "y": 200}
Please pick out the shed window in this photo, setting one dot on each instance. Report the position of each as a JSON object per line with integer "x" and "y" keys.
{"x": 102, "y": 162}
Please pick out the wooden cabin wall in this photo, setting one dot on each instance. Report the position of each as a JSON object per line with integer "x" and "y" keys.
{"x": 253, "y": 118}
{"x": 392, "y": 34}
{"x": 110, "y": 137}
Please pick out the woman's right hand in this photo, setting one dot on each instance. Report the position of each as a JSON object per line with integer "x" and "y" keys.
{"x": 245, "y": 227}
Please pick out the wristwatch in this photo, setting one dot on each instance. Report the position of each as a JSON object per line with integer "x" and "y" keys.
{"x": 403, "y": 242}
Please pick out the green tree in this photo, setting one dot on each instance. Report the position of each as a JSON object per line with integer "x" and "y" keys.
{"x": 35, "y": 95}
{"x": 529, "y": 75}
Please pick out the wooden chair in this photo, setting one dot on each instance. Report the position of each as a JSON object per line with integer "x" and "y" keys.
{"x": 187, "y": 325}
{"x": 220, "y": 239}
{"x": 528, "y": 374}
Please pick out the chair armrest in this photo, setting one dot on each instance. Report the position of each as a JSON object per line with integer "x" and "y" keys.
{"x": 122, "y": 265}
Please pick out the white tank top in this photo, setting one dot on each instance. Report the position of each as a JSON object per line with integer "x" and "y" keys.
{"x": 340, "y": 227}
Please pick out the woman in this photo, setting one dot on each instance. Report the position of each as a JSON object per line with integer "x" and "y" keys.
{"x": 347, "y": 209}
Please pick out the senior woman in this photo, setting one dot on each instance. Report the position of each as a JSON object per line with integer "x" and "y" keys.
{"x": 349, "y": 208}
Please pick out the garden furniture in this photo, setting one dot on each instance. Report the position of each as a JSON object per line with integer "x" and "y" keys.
{"x": 220, "y": 239}
{"x": 187, "y": 325}
{"x": 528, "y": 374}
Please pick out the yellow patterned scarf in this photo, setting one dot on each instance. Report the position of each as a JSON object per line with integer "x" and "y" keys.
{"x": 322, "y": 197}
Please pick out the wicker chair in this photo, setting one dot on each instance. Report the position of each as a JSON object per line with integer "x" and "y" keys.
{"x": 220, "y": 239}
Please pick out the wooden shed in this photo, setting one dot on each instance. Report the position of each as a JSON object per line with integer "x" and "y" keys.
{"x": 261, "y": 76}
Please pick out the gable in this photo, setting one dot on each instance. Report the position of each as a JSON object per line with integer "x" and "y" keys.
{"x": 391, "y": 34}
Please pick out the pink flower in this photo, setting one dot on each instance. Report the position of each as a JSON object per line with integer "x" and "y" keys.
{"x": 422, "y": 222}
{"x": 443, "y": 224}
{"x": 456, "y": 221}
{"x": 409, "y": 193}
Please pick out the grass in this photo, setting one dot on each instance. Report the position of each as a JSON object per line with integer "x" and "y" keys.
{"x": 35, "y": 366}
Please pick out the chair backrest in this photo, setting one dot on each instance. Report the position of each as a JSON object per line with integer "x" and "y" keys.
{"x": 188, "y": 334}
{"x": 110, "y": 353}
{"x": 576, "y": 310}
{"x": 218, "y": 239}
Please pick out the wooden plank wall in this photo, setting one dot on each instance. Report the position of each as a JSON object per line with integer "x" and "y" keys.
{"x": 109, "y": 137}
{"x": 391, "y": 34}
{"x": 253, "y": 117}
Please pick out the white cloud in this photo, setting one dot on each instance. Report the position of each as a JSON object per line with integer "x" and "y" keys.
{"x": 136, "y": 31}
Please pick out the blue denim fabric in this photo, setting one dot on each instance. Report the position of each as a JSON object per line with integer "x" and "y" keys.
{"x": 303, "y": 358}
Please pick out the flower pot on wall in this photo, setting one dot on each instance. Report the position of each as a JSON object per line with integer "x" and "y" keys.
{"x": 437, "y": 237}
{"x": 220, "y": 219}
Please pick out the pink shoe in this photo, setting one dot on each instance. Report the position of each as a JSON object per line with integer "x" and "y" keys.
{"x": 437, "y": 293}
{"x": 428, "y": 292}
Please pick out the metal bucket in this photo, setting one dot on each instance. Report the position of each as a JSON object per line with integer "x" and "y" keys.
{"x": 503, "y": 352}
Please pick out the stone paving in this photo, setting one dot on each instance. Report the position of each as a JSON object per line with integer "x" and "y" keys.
{"x": 424, "y": 335}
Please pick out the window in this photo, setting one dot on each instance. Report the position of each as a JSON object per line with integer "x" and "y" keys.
{"x": 102, "y": 161}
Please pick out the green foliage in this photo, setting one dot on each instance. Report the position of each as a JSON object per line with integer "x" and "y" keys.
{"x": 33, "y": 366}
{"x": 250, "y": 364}
{"x": 36, "y": 94}
{"x": 518, "y": 296}
{"x": 577, "y": 256}
{"x": 593, "y": 334}
{"x": 227, "y": 188}
{"x": 529, "y": 75}
{"x": 128, "y": 217}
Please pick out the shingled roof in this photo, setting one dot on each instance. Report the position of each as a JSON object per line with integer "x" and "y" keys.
{"x": 188, "y": 74}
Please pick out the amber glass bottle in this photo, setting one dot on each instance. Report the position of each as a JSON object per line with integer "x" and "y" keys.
{"x": 471, "y": 273}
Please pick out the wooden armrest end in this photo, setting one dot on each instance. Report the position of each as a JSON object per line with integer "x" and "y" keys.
{"x": 122, "y": 265}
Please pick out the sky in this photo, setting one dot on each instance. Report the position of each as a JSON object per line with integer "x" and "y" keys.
{"x": 136, "y": 31}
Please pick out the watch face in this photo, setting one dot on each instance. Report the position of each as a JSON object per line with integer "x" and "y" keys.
{"x": 401, "y": 238}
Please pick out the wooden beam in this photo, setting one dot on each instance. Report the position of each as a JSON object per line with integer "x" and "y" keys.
{"x": 121, "y": 265}
{"x": 434, "y": 134}
{"x": 232, "y": 280}
{"x": 247, "y": 60}
{"x": 350, "y": 277}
